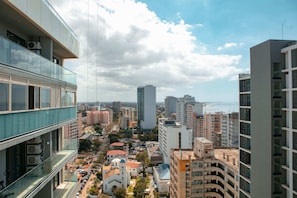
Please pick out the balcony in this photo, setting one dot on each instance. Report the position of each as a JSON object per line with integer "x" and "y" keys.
{"x": 30, "y": 183}
{"x": 16, "y": 56}
{"x": 19, "y": 123}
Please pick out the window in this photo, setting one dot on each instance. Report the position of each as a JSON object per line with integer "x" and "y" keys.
{"x": 45, "y": 97}
{"x": 68, "y": 98}
{"x": 3, "y": 97}
{"x": 18, "y": 97}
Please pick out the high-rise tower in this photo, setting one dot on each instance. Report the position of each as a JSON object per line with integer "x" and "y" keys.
{"x": 146, "y": 106}
{"x": 38, "y": 136}
{"x": 273, "y": 114}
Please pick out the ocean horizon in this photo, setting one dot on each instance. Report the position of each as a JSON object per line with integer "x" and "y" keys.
{"x": 226, "y": 107}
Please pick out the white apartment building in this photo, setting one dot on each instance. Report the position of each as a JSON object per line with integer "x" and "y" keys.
{"x": 173, "y": 135}
{"x": 230, "y": 130}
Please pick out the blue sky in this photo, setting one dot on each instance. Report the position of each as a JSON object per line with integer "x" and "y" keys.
{"x": 194, "y": 47}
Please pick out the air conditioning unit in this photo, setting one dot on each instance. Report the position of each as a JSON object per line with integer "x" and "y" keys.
{"x": 33, "y": 159}
{"x": 33, "y": 45}
{"x": 34, "y": 149}
{"x": 36, "y": 140}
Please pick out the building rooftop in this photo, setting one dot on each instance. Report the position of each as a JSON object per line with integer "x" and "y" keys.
{"x": 112, "y": 172}
{"x": 116, "y": 152}
{"x": 184, "y": 154}
{"x": 163, "y": 171}
{"x": 133, "y": 164}
{"x": 228, "y": 156}
{"x": 117, "y": 144}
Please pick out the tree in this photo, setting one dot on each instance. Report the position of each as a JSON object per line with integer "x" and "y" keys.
{"x": 85, "y": 145}
{"x": 119, "y": 192}
{"x": 143, "y": 158}
{"x": 139, "y": 188}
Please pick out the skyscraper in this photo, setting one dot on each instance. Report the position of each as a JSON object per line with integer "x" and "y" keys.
{"x": 244, "y": 136}
{"x": 170, "y": 105}
{"x": 272, "y": 158}
{"x": 38, "y": 136}
{"x": 146, "y": 106}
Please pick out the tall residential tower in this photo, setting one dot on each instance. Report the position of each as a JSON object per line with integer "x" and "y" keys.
{"x": 272, "y": 158}
{"x": 38, "y": 136}
{"x": 146, "y": 106}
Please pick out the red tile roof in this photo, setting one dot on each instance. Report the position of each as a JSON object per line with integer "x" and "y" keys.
{"x": 116, "y": 152}
{"x": 117, "y": 144}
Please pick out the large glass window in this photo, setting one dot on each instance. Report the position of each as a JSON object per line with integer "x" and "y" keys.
{"x": 45, "y": 97}
{"x": 68, "y": 98}
{"x": 18, "y": 97}
{"x": 3, "y": 97}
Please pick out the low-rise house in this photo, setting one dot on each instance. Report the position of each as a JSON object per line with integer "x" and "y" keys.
{"x": 112, "y": 154}
{"x": 162, "y": 177}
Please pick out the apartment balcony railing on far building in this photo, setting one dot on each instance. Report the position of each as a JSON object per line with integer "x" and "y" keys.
{"x": 30, "y": 183}
{"x": 19, "y": 57}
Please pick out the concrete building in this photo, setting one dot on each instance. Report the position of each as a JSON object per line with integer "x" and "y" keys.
{"x": 171, "y": 135}
{"x": 273, "y": 154}
{"x": 112, "y": 154}
{"x": 245, "y": 135}
{"x": 198, "y": 126}
{"x": 37, "y": 101}
{"x": 146, "y": 106}
{"x": 203, "y": 171}
{"x": 116, "y": 107}
{"x": 154, "y": 154}
{"x": 192, "y": 111}
{"x": 230, "y": 130}
{"x": 213, "y": 127}
{"x": 181, "y": 107}
{"x": 161, "y": 175}
{"x": 170, "y": 106}
{"x": 103, "y": 117}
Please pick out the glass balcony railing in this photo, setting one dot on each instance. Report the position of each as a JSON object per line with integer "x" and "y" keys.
{"x": 15, "y": 124}
{"x": 17, "y": 56}
{"x": 42, "y": 173}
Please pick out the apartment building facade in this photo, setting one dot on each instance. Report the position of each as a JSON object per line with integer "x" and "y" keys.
{"x": 268, "y": 145}
{"x": 170, "y": 106}
{"x": 203, "y": 171}
{"x": 244, "y": 135}
{"x": 172, "y": 134}
{"x": 146, "y": 106}
{"x": 37, "y": 102}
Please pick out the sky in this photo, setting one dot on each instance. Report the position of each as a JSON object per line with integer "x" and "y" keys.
{"x": 194, "y": 47}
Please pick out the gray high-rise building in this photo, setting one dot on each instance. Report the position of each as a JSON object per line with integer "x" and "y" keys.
{"x": 271, "y": 161}
{"x": 146, "y": 106}
{"x": 170, "y": 105}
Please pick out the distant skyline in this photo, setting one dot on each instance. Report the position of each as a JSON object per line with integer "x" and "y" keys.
{"x": 195, "y": 47}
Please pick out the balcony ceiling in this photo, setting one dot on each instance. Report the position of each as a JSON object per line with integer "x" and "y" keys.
{"x": 19, "y": 23}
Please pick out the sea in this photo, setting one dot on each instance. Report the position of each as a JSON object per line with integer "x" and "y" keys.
{"x": 226, "y": 107}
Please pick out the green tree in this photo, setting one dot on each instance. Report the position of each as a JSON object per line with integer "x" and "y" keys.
{"x": 120, "y": 193}
{"x": 85, "y": 145}
{"x": 139, "y": 188}
{"x": 143, "y": 158}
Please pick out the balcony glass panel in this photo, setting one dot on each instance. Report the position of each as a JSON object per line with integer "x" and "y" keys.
{"x": 14, "y": 124}
{"x": 28, "y": 182}
{"x": 17, "y": 56}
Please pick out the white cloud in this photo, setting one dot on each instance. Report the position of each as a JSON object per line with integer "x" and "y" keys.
{"x": 124, "y": 45}
{"x": 229, "y": 45}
